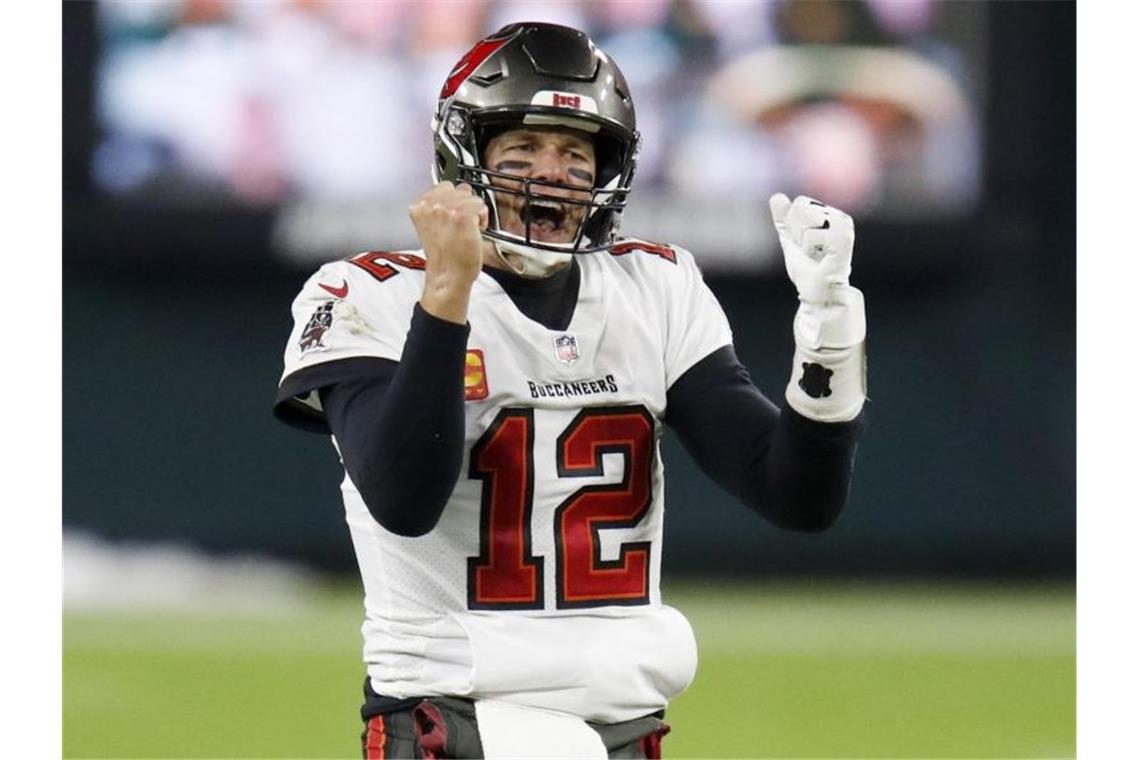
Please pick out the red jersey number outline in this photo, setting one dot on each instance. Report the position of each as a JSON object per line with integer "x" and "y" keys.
{"x": 657, "y": 249}
{"x": 379, "y": 263}
{"x": 506, "y": 575}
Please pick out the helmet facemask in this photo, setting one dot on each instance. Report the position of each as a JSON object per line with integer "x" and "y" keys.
{"x": 602, "y": 204}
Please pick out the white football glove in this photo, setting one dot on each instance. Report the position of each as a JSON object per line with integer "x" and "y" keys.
{"x": 817, "y": 242}
{"x": 828, "y": 376}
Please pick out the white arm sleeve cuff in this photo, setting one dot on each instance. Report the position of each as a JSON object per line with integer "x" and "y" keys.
{"x": 829, "y": 374}
{"x": 840, "y": 323}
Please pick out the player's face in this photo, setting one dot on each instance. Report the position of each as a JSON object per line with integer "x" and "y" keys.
{"x": 553, "y": 154}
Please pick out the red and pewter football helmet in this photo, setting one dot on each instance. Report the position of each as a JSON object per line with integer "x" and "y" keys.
{"x": 542, "y": 75}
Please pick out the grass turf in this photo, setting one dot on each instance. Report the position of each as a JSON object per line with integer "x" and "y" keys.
{"x": 785, "y": 671}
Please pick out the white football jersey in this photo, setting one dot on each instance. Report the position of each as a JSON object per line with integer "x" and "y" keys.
{"x": 540, "y": 583}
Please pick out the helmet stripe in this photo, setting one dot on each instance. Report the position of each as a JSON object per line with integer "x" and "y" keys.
{"x": 469, "y": 63}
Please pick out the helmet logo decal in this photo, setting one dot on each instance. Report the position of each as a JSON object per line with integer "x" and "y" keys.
{"x": 565, "y": 100}
{"x": 468, "y": 63}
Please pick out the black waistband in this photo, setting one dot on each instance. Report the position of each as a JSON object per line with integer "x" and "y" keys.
{"x": 379, "y": 704}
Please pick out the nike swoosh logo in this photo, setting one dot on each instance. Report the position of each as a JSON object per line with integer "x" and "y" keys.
{"x": 340, "y": 292}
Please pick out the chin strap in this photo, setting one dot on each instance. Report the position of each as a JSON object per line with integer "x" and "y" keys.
{"x": 531, "y": 262}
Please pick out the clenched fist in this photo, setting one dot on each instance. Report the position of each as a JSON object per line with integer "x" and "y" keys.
{"x": 818, "y": 241}
{"x": 448, "y": 220}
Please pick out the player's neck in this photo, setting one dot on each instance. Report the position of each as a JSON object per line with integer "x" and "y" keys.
{"x": 517, "y": 283}
{"x": 550, "y": 301}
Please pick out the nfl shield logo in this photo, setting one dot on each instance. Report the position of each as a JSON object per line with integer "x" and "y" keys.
{"x": 566, "y": 348}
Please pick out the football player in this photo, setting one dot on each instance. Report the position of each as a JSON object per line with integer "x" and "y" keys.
{"x": 497, "y": 397}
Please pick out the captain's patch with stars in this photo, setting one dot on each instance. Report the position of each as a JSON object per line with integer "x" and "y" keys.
{"x": 816, "y": 380}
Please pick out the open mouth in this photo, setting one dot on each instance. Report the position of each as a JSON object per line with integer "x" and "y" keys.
{"x": 544, "y": 215}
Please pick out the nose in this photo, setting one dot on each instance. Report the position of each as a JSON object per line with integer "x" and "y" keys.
{"x": 550, "y": 165}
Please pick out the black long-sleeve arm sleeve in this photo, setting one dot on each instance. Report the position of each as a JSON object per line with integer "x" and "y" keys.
{"x": 400, "y": 429}
{"x": 794, "y": 471}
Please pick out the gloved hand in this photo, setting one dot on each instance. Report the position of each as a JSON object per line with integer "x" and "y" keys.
{"x": 828, "y": 381}
{"x": 818, "y": 241}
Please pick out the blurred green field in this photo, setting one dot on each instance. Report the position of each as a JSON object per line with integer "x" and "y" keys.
{"x": 801, "y": 670}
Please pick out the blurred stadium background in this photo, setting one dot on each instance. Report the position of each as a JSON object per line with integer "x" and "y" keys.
{"x": 216, "y": 152}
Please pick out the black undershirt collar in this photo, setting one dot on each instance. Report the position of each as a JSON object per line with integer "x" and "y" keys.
{"x": 550, "y": 301}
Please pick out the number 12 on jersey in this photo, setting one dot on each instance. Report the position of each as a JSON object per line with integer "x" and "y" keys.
{"x": 506, "y": 575}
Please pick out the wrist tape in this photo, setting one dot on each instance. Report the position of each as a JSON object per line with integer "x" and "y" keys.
{"x": 829, "y": 377}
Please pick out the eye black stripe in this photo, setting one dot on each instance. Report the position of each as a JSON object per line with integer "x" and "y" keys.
{"x": 503, "y": 166}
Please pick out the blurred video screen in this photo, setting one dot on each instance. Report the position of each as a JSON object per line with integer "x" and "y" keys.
{"x": 321, "y": 109}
